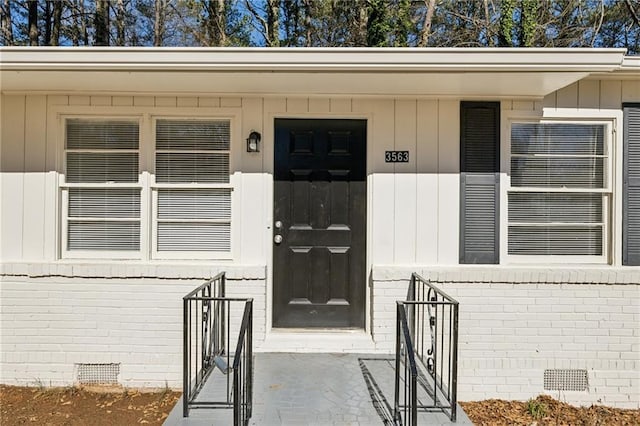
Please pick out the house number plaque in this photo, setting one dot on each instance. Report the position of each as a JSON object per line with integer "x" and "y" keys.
{"x": 396, "y": 156}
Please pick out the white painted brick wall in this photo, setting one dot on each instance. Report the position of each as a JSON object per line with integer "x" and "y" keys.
{"x": 48, "y": 324}
{"x": 511, "y": 332}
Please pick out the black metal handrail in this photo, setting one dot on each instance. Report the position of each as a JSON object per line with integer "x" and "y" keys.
{"x": 243, "y": 369}
{"x": 207, "y": 331}
{"x": 431, "y": 316}
{"x": 405, "y": 403}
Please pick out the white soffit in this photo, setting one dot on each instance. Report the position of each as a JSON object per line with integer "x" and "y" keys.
{"x": 482, "y": 72}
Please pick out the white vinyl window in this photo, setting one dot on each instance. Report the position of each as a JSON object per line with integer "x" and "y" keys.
{"x": 101, "y": 192}
{"x": 192, "y": 191}
{"x": 560, "y": 189}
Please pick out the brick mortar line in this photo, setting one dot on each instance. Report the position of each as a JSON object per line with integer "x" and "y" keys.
{"x": 617, "y": 276}
{"x": 117, "y": 277}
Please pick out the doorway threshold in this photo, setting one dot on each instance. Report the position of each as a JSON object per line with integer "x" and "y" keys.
{"x": 306, "y": 340}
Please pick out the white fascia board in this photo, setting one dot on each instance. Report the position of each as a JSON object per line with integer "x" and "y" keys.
{"x": 631, "y": 64}
{"x": 628, "y": 70}
{"x": 311, "y": 59}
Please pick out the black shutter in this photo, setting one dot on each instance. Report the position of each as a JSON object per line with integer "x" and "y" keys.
{"x": 479, "y": 182}
{"x": 631, "y": 186}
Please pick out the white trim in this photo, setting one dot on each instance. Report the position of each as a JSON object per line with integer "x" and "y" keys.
{"x": 235, "y": 144}
{"x": 612, "y": 216}
{"x": 63, "y": 188}
{"x": 424, "y": 73}
{"x": 269, "y": 167}
{"x": 145, "y": 116}
{"x": 311, "y": 59}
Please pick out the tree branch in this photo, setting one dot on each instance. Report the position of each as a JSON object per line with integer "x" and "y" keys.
{"x": 597, "y": 30}
{"x": 265, "y": 26}
{"x": 632, "y": 12}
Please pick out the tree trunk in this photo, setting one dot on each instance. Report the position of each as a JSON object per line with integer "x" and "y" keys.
{"x": 57, "y": 22}
{"x": 47, "y": 23}
{"x": 487, "y": 24}
{"x": 75, "y": 30}
{"x": 33, "y": 23}
{"x": 273, "y": 23}
{"x": 158, "y": 23}
{"x": 426, "y": 25}
{"x": 101, "y": 23}
{"x": 79, "y": 33}
{"x": 7, "y": 24}
{"x": 363, "y": 17}
{"x": 307, "y": 23}
{"x": 505, "y": 36}
{"x": 216, "y": 24}
{"x": 528, "y": 19}
{"x": 120, "y": 23}
{"x": 291, "y": 22}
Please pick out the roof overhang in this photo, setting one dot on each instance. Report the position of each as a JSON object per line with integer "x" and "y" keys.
{"x": 629, "y": 70}
{"x": 468, "y": 72}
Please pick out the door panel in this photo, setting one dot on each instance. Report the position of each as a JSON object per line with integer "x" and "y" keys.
{"x": 320, "y": 199}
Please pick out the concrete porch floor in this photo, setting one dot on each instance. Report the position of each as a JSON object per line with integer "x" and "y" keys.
{"x": 313, "y": 389}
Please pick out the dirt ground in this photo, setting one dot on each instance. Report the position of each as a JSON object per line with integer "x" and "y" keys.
{"x": 116, "y": 406}
{"x": 75, "y": 406}
{"x": 549, "y": 411}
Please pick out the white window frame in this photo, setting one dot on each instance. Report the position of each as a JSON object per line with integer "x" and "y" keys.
{"x": 154, "y": 187}
{"x": 64, "y": 186}
{"x": 145, "y": 116}
{"x": 612, "y": 119}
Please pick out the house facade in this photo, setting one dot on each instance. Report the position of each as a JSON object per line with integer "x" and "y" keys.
{"x": 319, "y": 180}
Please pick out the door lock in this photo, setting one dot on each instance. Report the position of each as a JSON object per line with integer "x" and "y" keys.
{"x": 277, "y": 239}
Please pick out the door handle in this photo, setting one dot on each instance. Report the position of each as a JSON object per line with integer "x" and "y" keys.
{"x": 277, "y": 239}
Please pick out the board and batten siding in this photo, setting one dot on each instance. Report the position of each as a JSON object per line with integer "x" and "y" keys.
{"x": 30, "y": 154}
{"x": 413, "y": 209}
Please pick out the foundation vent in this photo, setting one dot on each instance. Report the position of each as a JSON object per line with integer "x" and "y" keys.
{"x": 98, "y": 374}
{"x": 566, "y": 380}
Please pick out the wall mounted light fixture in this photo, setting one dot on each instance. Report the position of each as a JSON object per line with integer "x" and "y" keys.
{"x": 253, "y": 142}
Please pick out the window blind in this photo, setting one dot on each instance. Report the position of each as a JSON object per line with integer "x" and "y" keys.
{"x": 100, "y": 216}
{"x": 194, "y": 204}
{"x": 550, "y": 208}
{"x": 104, "y": 202}
{"x": 101, "y": 134}
{"x": 188, "y": 218}
{"x": 187, "y": 167}
{"x": 194, "y": 236}
{"x": 103, "y": 235}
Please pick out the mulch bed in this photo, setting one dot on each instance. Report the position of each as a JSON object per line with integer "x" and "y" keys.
{"x": 495, "y": 412}
{"x": 78, "y": 406}
{"x": 117, "y": 406}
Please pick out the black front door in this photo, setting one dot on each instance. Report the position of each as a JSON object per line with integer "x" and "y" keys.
{"x": 319, "y": 223}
